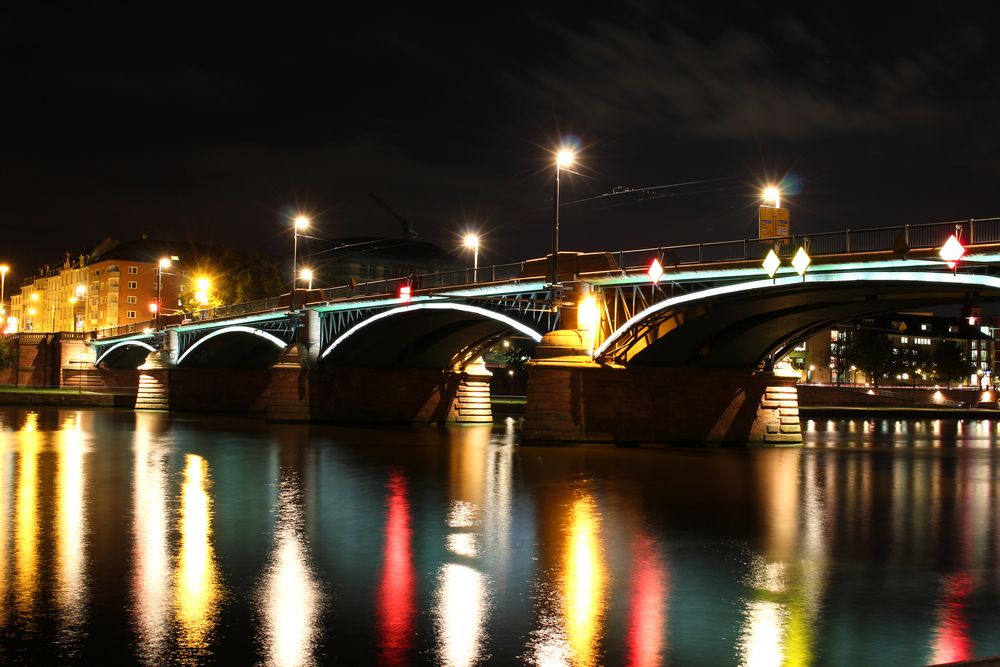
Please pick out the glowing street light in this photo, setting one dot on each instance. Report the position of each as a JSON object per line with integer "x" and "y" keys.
{"x": 564, "y": 159}
{"x": 300, "y": 223}
{"x": 307, "y": 274}
{"x": 472, "y": 241}
{"x": 202, "y": 294}
{"x": 772, "y": 194}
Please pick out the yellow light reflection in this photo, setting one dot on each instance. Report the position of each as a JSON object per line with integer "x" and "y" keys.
{"x": 291, "y": 597}
{"x": 583, "y": 582}
{"x": 6, "y": 497}
{"x": 70, "y": 527}
{"x": 150, "y": 560}
{"x": 196, "y": 582}
{"x": 26, "y": 519}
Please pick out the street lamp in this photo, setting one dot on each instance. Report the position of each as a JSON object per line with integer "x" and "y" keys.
{"x": 472, "y": 241}
{"x": 564, "y": 159}
{"x": 307, "y": 274}
{"x": 164, "y": 264}
{"x": 772, "y": 194}
{"x": 3, "y": 279}
{"x": 202, "y": 294}
{"x": 301, "y": 222}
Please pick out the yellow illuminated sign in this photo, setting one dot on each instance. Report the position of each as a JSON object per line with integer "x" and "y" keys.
{"x": 774, "y": 222}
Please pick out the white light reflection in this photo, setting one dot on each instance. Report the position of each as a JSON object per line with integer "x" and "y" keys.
{"x": 151, "y": 573}
{"x": 460, "y": 612}
{"x": 290, "y": 599}
{"x": 460, "y": 607}
{"x": 71, "y": 580}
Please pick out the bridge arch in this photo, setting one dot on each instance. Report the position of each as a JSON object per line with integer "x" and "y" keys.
{"x": 427, "y": 335}
{"x": 129, "y": 354}
{"x": 245, "y": 347}
{"x": 739, "y": 325}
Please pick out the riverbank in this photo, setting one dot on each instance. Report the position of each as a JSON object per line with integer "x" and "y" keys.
{"x": 34, "y": 397}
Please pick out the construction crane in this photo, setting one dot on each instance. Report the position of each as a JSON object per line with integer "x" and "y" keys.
{"x": 408, "y": 231}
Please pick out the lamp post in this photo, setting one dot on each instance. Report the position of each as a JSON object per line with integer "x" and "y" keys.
{"x": 564, "y": 159}
{"x": 301, "y": 222}
{"x": 472, "y": 241}
{"x": 164, "y": 264}
{"x": 3, "y": 279}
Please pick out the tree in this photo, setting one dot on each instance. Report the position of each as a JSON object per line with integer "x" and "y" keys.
{"x": 871, "y": 352}
{"x": 8, "y": 352}
{"x": 949, "y": 361}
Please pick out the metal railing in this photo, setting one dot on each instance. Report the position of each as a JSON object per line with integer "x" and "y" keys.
{"x": 878, "y": 239}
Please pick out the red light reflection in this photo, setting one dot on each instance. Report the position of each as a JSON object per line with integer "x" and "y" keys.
{"x": 396, "y": 605}
{"x": 951, "y": 636}
{"x": 647, "y": 607}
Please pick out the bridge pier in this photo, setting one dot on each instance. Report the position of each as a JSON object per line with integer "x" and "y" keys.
{"x": 573, "y": 399}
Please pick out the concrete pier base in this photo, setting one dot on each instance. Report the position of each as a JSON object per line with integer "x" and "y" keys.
{"x": 472, "y": 402}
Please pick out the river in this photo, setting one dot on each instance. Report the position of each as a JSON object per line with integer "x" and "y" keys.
{"x": 154, "y": 538}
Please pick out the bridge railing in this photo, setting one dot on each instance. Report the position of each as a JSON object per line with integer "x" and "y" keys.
{"x": 973, "y": 232}
{"x": 932, "y": 235}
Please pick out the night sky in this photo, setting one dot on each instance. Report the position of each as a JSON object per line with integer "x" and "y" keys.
{"x": 125, "y": 118}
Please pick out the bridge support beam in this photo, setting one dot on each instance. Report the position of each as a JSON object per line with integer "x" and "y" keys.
{"x": 573, "y": 399}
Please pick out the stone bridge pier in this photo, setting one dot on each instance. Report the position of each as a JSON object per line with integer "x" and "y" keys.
{"x": 571, "y": 398}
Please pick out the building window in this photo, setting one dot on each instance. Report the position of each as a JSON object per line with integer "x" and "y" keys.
{"x": 904, "y": 340}
{"x": 133, "y": 270}
{"x": 132, "y": 284}
{"x": 925, "y": 327}
{"x": 130, "y": 314}
{"x": 130, "y": 299}
{"x": 113, "y": 283}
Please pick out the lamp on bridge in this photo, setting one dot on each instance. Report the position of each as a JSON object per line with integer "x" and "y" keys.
{"x": 772, "y": 194}
{"x": 472, "y": 241}
{"x": 565, "y": 158}
{"x": 307, "y": 275}
{"x": 300, "y": 223}
{"x": 3, "y": 279}
{"x": 164, "y": 264}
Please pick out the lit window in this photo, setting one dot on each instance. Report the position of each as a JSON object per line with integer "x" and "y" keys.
{"x": 925, "y": 327}
{"x": 904, "y": 339}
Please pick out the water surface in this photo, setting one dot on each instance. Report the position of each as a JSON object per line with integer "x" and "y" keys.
{"x": 154, "y": 538}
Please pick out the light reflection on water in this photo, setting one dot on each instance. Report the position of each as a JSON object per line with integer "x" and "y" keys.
{"x": 291, "y": 598}
{"x": 123, "y": 534}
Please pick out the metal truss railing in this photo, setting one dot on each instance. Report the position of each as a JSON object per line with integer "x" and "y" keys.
{"x": 973, "y": 232}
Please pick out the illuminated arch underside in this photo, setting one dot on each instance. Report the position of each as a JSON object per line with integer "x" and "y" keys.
{"x": 425, "y": 335}
{"x": 737, "y": 326}
{"x": 239, "y": 349}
